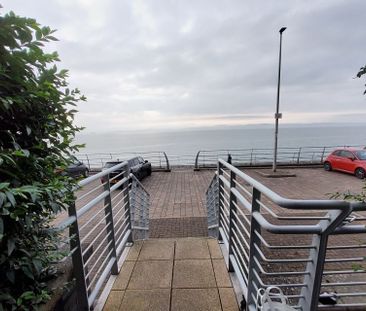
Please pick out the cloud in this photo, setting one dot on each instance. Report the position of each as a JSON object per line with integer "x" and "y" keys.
{"x": 184, "y": 64}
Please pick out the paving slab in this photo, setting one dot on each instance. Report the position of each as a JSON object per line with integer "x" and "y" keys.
{"x": 157, "y": 249}
{"x": 134, "y": 251}
{"x": 194, "y": 273}
{"x": 124, "y": 276}
{"x": 196, "y": 300}
{"x": 146, "y": 300}
{"x": 114, "y": 301}
{"x": 221, "y": 275}
{"x": 192, "y": 249}
{"x": 213, "y": 246}
{"x": 228, "y": 299}
{"x": 151, "y": 275}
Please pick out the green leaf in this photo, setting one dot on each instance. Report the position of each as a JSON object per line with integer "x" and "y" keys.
{"x": 11, "y": 246}
{"x": 10, "y": 197}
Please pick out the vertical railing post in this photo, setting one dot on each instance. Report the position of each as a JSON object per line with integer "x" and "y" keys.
{"x": 314, "y": 268}
{"x": 298, "y": 156}
{"x": 87, "y": 159}
{"x": 220, "y": 199}
{"x": 322, "y": 157}
{"x": 78, "y": 262}
{"x": 253, "y": 252}
{"x": 251, "y": 157}
{"x": 128, "y": 205}
{"x": 108, "y": 210}
{"x": 232, "y": 209}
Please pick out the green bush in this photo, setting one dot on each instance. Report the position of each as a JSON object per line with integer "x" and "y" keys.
{"x": 36, "y": 133}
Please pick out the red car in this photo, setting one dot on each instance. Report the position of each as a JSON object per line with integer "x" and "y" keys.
{"x": 349, "y": 160}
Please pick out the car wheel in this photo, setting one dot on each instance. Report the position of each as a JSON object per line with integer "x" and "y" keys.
{"x": 360, "y": 173}
{"x": 327, "y": 166}
{"x": 86, "y": 173}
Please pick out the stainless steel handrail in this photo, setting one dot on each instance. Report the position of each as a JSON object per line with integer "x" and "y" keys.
{"x": 265, "y": 248}
{"x": 101, "y": 223}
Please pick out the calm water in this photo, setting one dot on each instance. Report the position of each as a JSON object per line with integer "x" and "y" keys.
{"x": 189, "y": 142}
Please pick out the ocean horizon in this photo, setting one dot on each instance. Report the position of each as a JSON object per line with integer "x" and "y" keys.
{"x": 190, "y": 141}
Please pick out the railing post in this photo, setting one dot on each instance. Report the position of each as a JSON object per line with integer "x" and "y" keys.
{"x": 253, "y": 252}
{"x": 232, "y": 209}
{"x": 196, "y": 167}
{"x": 322, "y": 157}
{"x": 87, "y": 159}
{"x": 315, "y": 267}
{"x": 110, "y": 225}
{"x": 78, "y": 262}
{"x": 220, "y": 199}
{"x": 298, "y": 156}
{"x": 251, "y": 157}
{"x": 128, "y": 206}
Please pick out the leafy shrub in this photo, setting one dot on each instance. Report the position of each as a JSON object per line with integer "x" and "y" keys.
{"x": 36, "y": 132}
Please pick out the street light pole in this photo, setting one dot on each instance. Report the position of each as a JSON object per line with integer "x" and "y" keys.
{"x": 278, "y": 115}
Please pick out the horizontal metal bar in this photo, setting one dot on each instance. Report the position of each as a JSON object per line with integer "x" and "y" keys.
{"x": 121, "y": 244}
{"x": 65, "y": 223}
{"x": 101, "y": 174}
{"x": 283, "y": 202}
{"x": 286, "y": 229}
{"x": 92, "y": 203}
{"x": 101, "y": 281}
{"x": 281, "y": 246}
{"x": 119, "y": 184}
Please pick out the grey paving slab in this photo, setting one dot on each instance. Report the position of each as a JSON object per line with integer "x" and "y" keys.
{"x": 124, "y": 276}
{"x": 146, "y": 300}
{"x": 196, "y": 273}
{"x": 221, "y": 275}
{"x": 151, "y": 275}
{"x": 213, "y": 246}
{"x": 114, "y": 301}
{"x": 134, "y": 251}
{"x": 193, "y": 248}
{"x": 228, "y": 299}
{"x": 157, "y": 249}
{"x": 196, "y": 300}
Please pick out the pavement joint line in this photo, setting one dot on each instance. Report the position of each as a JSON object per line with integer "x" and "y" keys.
{"x": 213, "y": 269}
{"x": 171, "y": 283}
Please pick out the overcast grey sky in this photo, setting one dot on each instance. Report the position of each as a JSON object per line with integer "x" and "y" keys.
{"x": 180, "y": 64}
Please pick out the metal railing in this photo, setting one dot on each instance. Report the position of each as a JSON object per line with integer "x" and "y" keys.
{"x": 263, "y": 156}
{"x": 108, "y": 214}
{"x": 95, "y": 161}
{"x": 314, "y": 250}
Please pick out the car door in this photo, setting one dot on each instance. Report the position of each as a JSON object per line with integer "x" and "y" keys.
{"x": 335, "y": 159}
{"x": 347, "y": 164}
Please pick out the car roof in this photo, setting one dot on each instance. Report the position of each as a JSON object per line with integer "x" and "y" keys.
{"x": 349, "y": 149}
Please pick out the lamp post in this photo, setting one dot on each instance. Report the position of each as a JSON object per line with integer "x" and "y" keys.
{"x": 278, "y": 115}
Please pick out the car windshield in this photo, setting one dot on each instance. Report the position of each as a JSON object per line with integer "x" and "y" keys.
{"x": 361, "y": 154}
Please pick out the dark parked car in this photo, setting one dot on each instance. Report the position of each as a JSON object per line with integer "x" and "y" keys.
{"x": 137, "y": 166}
{"x": 77, "y": 169}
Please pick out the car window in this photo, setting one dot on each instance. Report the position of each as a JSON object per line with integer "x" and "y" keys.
{"x": 347, "y": 154}
{"x": 110, "y": 164}
{"x": 361, "y": 154}
{"x": 337, "y": 153}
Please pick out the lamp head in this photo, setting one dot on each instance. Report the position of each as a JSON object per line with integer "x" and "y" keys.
{"x": 282, "y": 29}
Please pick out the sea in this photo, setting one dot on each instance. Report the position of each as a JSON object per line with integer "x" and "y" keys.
{"x": 186, "y": 143}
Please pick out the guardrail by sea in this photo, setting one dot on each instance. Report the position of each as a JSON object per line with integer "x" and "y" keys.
{"x": 160, "y": 160}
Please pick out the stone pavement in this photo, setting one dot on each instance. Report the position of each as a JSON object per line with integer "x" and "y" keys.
{"x": 173, "y": 274}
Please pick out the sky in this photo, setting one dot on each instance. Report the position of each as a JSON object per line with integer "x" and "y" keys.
{"x": 159, "y": 65}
